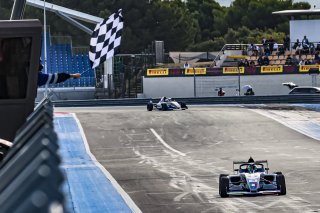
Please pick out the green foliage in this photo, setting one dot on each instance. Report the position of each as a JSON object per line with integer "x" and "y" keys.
{"x": 195, "y": 25}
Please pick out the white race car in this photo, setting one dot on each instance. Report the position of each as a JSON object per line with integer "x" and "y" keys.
{"x": 166, "y": 104}
{"x": 251, "y": 178}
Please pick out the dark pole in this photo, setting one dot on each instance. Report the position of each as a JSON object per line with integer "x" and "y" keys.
{"x": 239, "y": 80}
{"x": 18, "y": 9}
{"x": 238, "y": 77}
{"x": 194, "y": 82}
{"x": 129, "y": 83}
{"x": 136, "y": 75}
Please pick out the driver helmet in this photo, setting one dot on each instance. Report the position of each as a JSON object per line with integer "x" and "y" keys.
{"x": 252, "y": 168}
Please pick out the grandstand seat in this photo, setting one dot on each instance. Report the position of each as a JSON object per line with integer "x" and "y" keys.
{"x": 282, "y": 61}
{"x": 309, "y": 57}
{"x": 277, "y": 62}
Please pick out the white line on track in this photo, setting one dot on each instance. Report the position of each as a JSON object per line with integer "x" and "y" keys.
{"x": 165, "y": 144}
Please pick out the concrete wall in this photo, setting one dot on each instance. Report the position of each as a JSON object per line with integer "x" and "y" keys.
{"x": 207, "y": 86}
{"x": 76, "y": 93}
{"x": 300, "y": 28}
{"x": 168, "y": 86}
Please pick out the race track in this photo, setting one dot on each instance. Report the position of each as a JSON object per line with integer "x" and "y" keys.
{"x": 171, "y": 161}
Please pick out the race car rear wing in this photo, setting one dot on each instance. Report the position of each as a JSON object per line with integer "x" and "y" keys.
{"x": 255, "y": 162}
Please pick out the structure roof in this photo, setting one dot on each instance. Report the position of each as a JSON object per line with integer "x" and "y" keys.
{"x": 297, "y": 12}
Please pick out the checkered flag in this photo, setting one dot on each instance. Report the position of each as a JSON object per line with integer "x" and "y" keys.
{"x": 105, "y": 39}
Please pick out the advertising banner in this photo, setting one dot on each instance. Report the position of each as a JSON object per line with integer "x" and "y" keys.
{"x": 271, "y": 69}
{"x": 199, "y": 71}
{"x": 305, "y": 68}
{"x": 158, "y": 72}
{"x": 233, "y": 70}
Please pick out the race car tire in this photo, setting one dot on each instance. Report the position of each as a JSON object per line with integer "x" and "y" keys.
{"x": 183, "y": 105}
{"x": 164, "y": 107}
{"x": 149, "y": 107}
{"x": 224, "y": 187}
{"x": 278, "y": 173}
{"x": 220, "y": 176}
{"x": 281, "y": 184}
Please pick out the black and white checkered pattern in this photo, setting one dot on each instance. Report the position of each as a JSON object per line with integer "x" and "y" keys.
{"x": 105, "y": 39}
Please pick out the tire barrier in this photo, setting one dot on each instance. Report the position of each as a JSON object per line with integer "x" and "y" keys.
{"x": 277, "y": 99}
{"x": 30, "y": 177}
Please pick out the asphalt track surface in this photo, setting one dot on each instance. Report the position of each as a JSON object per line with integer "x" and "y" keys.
{"x": 171, "y": 161}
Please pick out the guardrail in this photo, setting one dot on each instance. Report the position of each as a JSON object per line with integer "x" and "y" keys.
{"x": 29, "y": 172}
{"x": 279, "y": 99}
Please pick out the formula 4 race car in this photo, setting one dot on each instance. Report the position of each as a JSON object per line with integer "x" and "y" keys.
{"x": 166, "y": 104}
{"x": 251, "y": 178}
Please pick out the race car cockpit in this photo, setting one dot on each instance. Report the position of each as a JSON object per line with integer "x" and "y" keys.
{"x": 251, "y": 168}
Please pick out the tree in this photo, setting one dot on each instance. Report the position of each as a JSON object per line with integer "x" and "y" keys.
{"x": 206, "y": 12}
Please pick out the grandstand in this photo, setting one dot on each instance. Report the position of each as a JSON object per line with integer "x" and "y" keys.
{"x": 62, "y": 57}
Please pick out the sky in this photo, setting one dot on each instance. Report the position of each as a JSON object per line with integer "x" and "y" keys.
{"x": 311, "y": 2}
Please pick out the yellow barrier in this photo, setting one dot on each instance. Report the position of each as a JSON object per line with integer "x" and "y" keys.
{"x": 158, "y": 72}
{"x": 233, "y": 70}
{"x": 271, "y": 69}
{"x": 199, "y": 71}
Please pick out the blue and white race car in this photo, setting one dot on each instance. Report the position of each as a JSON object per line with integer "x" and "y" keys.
{"x": 251, "y": 178}
{"x": 166, "y": 104}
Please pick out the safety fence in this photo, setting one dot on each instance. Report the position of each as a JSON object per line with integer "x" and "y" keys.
{"x": 219, "y": 71}
{"x": 30, "y": 177}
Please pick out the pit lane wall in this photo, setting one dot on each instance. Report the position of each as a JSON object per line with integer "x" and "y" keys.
{"x": 265, "y": 80}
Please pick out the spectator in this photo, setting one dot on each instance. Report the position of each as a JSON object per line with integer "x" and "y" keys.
{"x": 256, "y": 50}
{"x": 241, "y": 63}
{"x": 296, "y": 44}
{"x": 302, "y": 62}
{"x": 248, "y": 89}
{"x": 316, "y": 58}
{"x": 267, "y": 51}
{"x": 295, "y": 61}
{"x": 250, "y": 49}
{"x": 308, "y": 62}
{"x": 264, "y": 42}
{"x": 266, "y": 61}
{"x": 286, "y": 43}
{"x": 260, "y": 60}
{"x": 305, "y": 42}
{"x": 246, "y": 62}
{"x": 270, "y": 44}
{"x": 299, "y": 50}
{"x": 186, "y": 65}
{"x": 221, "y": 92}
{"x": 289, "y": 60}
{"x": 281, "y": 51}
{"x": 275, "y": 46}
{"x": 317, "y": 47}
{"x": 252, "y": 64}
{"x": 312, "y": 48}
